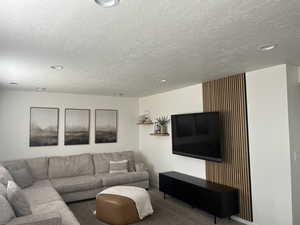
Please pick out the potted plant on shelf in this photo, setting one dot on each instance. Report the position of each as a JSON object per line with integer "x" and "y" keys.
{"x": 163, "y": 123}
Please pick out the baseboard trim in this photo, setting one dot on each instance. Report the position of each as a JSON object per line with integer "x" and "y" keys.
{"x": 238, "y": 219}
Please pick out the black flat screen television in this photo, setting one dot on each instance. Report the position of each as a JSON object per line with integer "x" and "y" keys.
{"x": 197, "y": 135}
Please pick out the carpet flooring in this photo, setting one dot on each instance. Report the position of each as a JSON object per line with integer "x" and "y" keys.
{"x": 166, "y": 212}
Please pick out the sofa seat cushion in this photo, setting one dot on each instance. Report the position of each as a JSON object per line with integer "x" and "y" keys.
{"x": 122, "y": 178}
{"x": 41, "y": 192}
{"x": 74, "y": 184}
{"x": 70, "y": 166}
{"x": 67, "y": 217}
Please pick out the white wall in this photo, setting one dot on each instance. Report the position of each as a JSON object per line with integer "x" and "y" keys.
{"x": 157, "y": 151}
{"x": 294, "y": 123}
{"x": 15, "y": 115}
{"x": 269, "y": 146}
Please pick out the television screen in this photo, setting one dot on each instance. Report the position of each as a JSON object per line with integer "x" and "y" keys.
{"x": 197, "y": 135}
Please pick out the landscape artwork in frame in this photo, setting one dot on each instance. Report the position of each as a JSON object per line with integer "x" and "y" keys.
{"x": 43, "y": 126}
{"x": 106, "y": 126}
{"x": 77, "y": 126}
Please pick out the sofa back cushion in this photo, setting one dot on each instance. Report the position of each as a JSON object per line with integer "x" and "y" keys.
{"x": 70, "y": 166}
{"x": 38, "y": 168}
{"x": 20, "y": 172}
{"x": 101, "y": 160}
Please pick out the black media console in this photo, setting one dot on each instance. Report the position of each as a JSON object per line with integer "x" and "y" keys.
{"x": 219, "y": 200}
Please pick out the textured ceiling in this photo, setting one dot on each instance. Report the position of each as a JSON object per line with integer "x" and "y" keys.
{"x": 130, "y": 48}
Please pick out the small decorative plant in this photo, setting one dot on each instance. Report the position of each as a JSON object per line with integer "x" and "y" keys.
{"x": 163, "y": 122}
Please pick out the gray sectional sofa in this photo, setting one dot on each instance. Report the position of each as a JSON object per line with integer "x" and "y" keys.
{"x": 72, "y": 178}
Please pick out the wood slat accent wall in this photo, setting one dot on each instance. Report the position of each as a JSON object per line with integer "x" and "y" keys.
{"x": 228, "y": 96}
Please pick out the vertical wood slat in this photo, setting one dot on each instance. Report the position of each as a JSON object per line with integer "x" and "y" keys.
{"x": 228, "y": 96}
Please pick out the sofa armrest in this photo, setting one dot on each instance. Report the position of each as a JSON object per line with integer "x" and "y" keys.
{"x": 37, "y": 219}
{"x": 140, "y": 167}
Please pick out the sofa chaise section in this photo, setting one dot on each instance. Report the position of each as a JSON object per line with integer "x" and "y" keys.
{"x": 67, "y": 217}
{"x": 45, "y": 200}
{"x": 41, "y": 192}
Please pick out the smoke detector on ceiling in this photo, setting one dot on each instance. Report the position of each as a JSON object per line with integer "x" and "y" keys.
{"x": 107, "y": 3}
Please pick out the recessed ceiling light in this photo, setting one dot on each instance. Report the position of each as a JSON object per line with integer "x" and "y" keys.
{"x": 163, "y": 81}
{"x": 13, "y": 83}
{"x": 57, "y": 67}
{"x": 268, "y": 47}
{"x": 107, "y": 3}
{"x": 41, "y": 89}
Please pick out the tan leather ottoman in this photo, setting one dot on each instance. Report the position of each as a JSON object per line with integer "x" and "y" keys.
{"x": 116, "y": 209}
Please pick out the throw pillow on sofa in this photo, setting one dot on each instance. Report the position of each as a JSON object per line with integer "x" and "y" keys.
{"x": 20, "y": 172}
{"x": 17, "y": 199}
{"x": 118, "y": 166}
{"x": 6, "y": 211}
{"x": 4, "y": 175}
{"x": 2, "y": 190}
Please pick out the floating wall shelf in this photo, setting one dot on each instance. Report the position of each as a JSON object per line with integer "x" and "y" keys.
{"x": 166, "y": 134}
{"x": 149, "y": 123}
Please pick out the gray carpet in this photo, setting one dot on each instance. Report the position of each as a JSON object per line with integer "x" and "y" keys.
{"x": 166, "y": 212}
